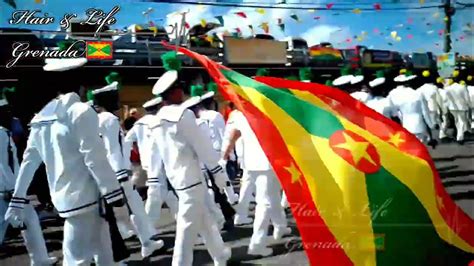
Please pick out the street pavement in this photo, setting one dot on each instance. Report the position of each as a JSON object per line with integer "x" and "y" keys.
{"x": 455, "y": 164}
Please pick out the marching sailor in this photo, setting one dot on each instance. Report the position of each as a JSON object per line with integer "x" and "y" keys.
{"x": 157, "y": 192}
{"x": 215, "y": 121}
{"x": 376, "y": 100}
{"x": 9, "y": 166}
{"x": 183, "y": 146}
{"x": 411, "y": 107}
{"x": 459, "y": 105}
{"x": 470, "y": 89}
{"x": 64, "y": 135}
{"x": 433, "y": 98}
{"x": 106, "y": 101}
{"x": 268, "y": 196}
{"x": 362, "y": 94}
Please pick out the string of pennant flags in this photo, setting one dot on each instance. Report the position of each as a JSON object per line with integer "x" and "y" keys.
{"x": 391, "y": 35}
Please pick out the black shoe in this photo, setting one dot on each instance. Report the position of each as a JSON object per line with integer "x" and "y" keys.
{"x": 433, "y": 143}
{"x": 460, "y": 142}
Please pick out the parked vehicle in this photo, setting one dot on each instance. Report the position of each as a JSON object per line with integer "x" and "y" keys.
{"x": 381, "y": 59}
{"x": 142, "y": 46}
{"x": 297, "y": 51}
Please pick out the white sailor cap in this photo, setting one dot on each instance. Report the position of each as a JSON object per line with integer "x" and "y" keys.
{"x": 400, "y": 78}
{"x": 191, "y": 102}
{"x": 63, "y": 64}
{"x": 111, "y": 87}
{"x": 3, "y": 102}
{"x": 152, "y": 102}
{"x": 208, "y": 95}
{"x": 343, "y": 80}
{"x": 357, "y": 79}
{"x": 377, "y": 82}
{"x": 403, "y": 78}
{"x": 165, "y": 82}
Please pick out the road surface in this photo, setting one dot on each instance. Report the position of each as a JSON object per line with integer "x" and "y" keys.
{"x": 455, "y": 164}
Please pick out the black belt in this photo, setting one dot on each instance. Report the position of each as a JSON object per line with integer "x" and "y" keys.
{"x": 188, "y": 187}
{"x": 78, "y": 208}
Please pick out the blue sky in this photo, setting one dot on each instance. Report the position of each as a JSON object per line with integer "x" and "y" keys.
{"x": 416, "y": 30}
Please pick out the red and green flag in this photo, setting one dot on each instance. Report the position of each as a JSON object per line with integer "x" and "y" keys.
{"x": 99, "y": 50}
{"x": 362, "y": 189}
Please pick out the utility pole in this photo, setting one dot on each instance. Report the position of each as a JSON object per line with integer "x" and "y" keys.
{"x": 449, "y": 12}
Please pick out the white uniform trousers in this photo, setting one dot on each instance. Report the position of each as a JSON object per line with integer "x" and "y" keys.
{"x": 194, "y": 218}
{"x": 268, "y": 209}
{"x": 443, "y": 130}
{"x": 139, "y": 218}
{"x": 87, "y": 237}
{"x": 434, "y": 116}
{"x": 247, "y": 188}
{"x": 33, "y": 235}
{"x": 461, "y": 123}
{"x": 214, "y": 208}
{"x": 157, "y": 194}
{"x": 284, "y": 201}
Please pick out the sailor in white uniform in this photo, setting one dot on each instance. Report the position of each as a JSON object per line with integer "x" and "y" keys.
{"x": 430, "y": 92}
{"x": 157, "y": 191}
{"x": 376, "y": 101}
{"x": 106, "y": 100}
{"x": 9, "y": 166}
{"x": 459, "y": 105}
{"x": 215, "y": 122}
{"x": 268, "y": 196}
{"x": 362, "y": 95}
{"x": 64, "y": 135}
{"x": 470, "y": 89}
{"x": 183, "y": 147}
{"x": 411, "y": 107}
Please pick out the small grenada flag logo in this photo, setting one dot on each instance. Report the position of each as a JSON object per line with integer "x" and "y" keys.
{"x": 99, "y": 50}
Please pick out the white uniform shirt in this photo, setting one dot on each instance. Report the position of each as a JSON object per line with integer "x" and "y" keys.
{"x": 430, "y": 93}
{"x": 239, "y": 146}
{"x": 412, "y": 107}
{"x": 140, "y": 133}
{"x": 183, "y": 146}
{"x": 458, "y": 97}
{"x": 8, "y": 161}
{"x": 381, "y": 105}
{"x": 254, "y": 157}
{"x": 64, "y": 135}
{"x": 470, "y": 90}
{"x": 216, "y": 124}
{"x": 118, "y": 154}
{"x": 361, "y": 96}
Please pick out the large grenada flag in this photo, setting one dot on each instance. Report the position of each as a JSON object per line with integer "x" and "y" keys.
{"x": 362, "y": 189}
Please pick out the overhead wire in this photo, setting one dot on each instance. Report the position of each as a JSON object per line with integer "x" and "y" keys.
{"x": 291, "y": 6}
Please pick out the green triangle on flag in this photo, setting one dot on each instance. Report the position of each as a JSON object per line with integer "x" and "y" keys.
{"x": 91, "y": 49}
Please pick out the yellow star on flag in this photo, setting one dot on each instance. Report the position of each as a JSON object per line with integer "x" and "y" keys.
{"x": 311, "y": 10}
{"x": 203, "y": 23}
{"x": 295, "y": 174}
{"x": 396, "y": 139}
{"x": 357, "y": 149}
{"x": 357, "y": 11}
